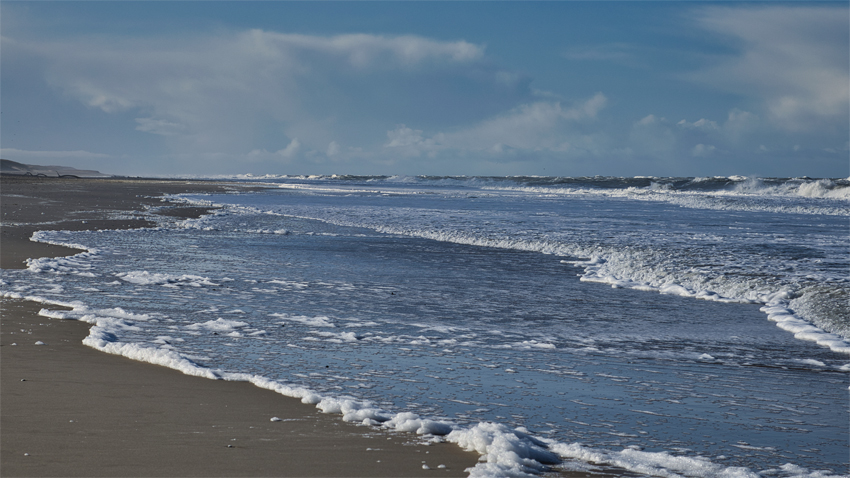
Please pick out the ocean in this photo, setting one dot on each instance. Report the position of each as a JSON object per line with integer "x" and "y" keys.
{"x": 664, "y": 326}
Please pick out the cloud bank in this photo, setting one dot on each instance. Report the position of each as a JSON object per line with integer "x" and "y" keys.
{"x": 266, "y": 101}
{"x": 794, "y": 59}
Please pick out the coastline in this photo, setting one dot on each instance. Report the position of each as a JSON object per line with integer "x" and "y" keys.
{"x": 69, "y": 410}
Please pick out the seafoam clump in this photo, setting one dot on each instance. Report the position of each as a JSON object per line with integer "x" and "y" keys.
{"x": 352, "y": 410}
{"x": 651, "y": 463}
{"x": 167, "y": 280}
{"x": 786, "y": 320}
{"x": 318, "y": 321}
{"x": 78, "y": 264}
{"x": 218, "y": 325}
{"x": 107, "y": 327}
{"x": 411, "y": 422}
{"x": 504, "y": 452}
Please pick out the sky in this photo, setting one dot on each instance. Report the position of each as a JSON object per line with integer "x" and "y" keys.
{"x": 565, "y": 88}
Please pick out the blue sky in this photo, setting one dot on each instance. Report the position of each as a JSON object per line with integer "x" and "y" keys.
{"x": 445, "y": 88}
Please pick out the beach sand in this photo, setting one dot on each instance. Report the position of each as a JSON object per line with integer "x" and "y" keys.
{"x": 69, "y": 410}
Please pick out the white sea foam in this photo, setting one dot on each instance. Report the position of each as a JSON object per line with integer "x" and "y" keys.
{"x": 319, "y": 321}
{"x": 339, "y": 337}
{"x": 823, "y": 188}
{"x": 505, "y": 452}
{"x": 652, "y": 463}
{"x": 219, "y": 325}
{"x": 281, "y": 232}
{"x": 513, "y": 452}
{"x": 45, "y": 237}
{"x": 803, "y": 330}
{"x": 78, "y": 264}
{"x": 816, "y": 363}
{"x": 167, "y": 280}
{"x": 351, "y": 409}
{"x": 101, "y": 339}
{"x": 746, "y": 196}
{"x": 411, "y": 422}
{"x": 105, "y": 335}
{"x": 792, "y": 470}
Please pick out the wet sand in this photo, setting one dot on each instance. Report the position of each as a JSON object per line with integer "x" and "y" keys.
{"x": 69, "y": 410}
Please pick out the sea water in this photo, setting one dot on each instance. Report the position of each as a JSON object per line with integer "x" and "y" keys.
{"x": 665, "y": 326}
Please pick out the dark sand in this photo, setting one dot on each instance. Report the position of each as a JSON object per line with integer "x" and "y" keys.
{"x": 69, "y": 410}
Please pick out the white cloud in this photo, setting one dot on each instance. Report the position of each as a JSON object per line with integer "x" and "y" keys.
{"x": 362, "y": 50}
{"x": 234, "y": 92}
{"x": 103, "y": 100}
{"x": 649, "y": 120}
{"x": 525, "y": 127}
{"x": 540, "y": 126}
{"x": 291, "y": 149}
{"x": 212, "y": 93}
{"x": 741, "y": 124}
{"x": 372, "y": 103}
{"x": 403, "y": 136}
{"x": 702, "y": 150}
{"x": 795, "y": 59}
{"x": 158, "y": 126}
{"x": 699, "y": 125}
{"x": 590, "y": 108}
{"x": 535, "y": 126}
{"x": 282, "y": 155}
{"x": 652, "y": 136}
{"x": 333, "y": 149}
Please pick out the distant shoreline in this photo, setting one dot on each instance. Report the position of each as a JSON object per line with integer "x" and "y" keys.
{"x": 14, "y": 168}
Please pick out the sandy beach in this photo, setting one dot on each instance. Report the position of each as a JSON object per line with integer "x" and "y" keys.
{"x": 69, "y": 410}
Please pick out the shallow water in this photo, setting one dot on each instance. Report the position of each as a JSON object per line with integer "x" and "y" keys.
{"x": 384, "y": 293}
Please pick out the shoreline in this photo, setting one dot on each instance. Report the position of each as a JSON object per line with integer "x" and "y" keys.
{"x": 69, "y": 410}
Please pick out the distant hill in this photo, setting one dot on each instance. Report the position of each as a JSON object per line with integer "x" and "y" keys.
{"x": 14, "y": 168}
